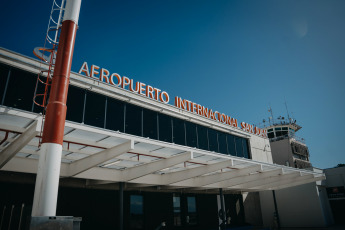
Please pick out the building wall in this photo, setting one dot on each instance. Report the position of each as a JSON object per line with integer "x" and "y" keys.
{"x": 335, "y": 177}
{"x": 252, "y": 208}
{"x": 282, "y": 152}
{"x": 28, "y": 68}
{"x": 298, "y": 206}
{"x": 326, "y": 207}
{"x": 261, "y": 150}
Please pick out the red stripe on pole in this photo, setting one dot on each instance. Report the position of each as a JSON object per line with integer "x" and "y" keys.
{"x": 56, "y": 110}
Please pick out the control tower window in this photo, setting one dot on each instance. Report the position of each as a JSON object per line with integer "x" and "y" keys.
{"x": 278, "y": 132}
{"x": 285, "y": 130}
{"x": 291, "y": 132}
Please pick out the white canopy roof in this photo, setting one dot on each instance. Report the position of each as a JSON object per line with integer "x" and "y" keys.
{"x": 110, "y": 157}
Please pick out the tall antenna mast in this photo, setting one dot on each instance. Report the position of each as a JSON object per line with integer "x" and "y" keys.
{"x": 270, "y": 110}
{"x": 48, "y": 172}
{"x": 287, "y": 109}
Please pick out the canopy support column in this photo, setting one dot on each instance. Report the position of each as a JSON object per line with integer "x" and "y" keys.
{"x": 121, "y": 205}
{"x": 222, "y": 209}
{"x": 276, "y": 214}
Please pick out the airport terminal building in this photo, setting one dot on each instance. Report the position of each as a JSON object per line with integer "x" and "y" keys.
{"x": 130, "y": 153}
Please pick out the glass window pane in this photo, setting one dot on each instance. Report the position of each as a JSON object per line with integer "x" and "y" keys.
{"x": 231, "y": 144}
{"x": 177, "y": 210}
{"x": 136, "y": 206}
{"x": 191, "y": 204}
{"x": 245, "y": 148}
{"x": 3, "y": 79}
{"x": 177, "y": 204}
{"x": 191, "y": 135}
{"x": 239, "y": 147}
{"x": 150, "y": 123}
{"x": 292, "y": 132}
{"x": 75, "y": 104}
{"x": 178, "y": 131}
{"x": 115, "y": 115}
{"x": 136, "y": 212}
{"x": 165, "y": 128}
{"x": 223, "y": 148}
{"x": 202, "y": 137}
{"x": 133, "y": 120}
{"x": 212, "y": 140}
{"x": 94, "y": 109}
{"x": 191, "y": 209}
{"x": 26, "y": 82}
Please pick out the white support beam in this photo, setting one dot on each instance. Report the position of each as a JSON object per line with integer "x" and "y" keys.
{"x": 210, "y": 179}
{"x": 138, "y": 185}
{"x": 194, "y": 172}
{"x": 14, "y": 147}
{"x": 284, "y": 182}
{"x": 267, "y": 180}
{"x": 21, "y": 164}
{"x": 145, "y": 169}
{"x": 99, "y": 158}
{"x": 247, "y": 178}
{"x": 28, "y": 165}
{"x": 296, "y": 183}
{"x": 98, "y": 182}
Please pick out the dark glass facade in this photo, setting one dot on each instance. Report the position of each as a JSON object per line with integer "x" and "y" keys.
{"x": 150, "y": 124}
{"x": 191, "y": 134}
{"x": 99, "y": 208}
{"x": 84, "y": 106}
{"x": 4, "y": 71}
{"x": 20, "y": 89}
{"x": 75, "y": 104}
{"x": 115, "y": 115}
{"x": 95, "y": 109}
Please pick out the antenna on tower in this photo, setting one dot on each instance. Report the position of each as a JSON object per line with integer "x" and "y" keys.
{"x": 270, "y": 111}
{"x": 287, "y": 109}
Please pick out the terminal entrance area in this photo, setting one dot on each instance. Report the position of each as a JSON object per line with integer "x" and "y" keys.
{"x": 142, "y": 210}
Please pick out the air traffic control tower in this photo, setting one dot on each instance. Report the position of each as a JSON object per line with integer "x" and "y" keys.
{"x": 287, "y": 148}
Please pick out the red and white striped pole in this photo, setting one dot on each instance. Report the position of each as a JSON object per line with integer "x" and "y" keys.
{"x": 48, "y": 173}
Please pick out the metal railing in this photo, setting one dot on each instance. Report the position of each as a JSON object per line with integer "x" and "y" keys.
{"x": 289, "y": 136}
{"x": 278, "y": 121}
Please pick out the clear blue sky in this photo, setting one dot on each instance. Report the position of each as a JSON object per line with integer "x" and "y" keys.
{"x": 237, "y": 57}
